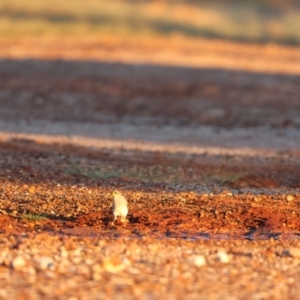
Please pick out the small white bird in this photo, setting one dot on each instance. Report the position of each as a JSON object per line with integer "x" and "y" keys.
{"x": 120, "y": 206}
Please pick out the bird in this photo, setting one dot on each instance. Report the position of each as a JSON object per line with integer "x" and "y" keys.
{"x": 120, "y": 206}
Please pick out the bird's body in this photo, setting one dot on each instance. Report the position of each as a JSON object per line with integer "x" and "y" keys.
{"x": 120, "y": 206}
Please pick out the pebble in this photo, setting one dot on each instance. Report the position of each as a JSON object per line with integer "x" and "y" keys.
{"x": 223, "y": 257}
{"x": 199, "y": 260}
{"x": 18, "y": 262}
{"x": 289, "y": 198}
{"x": 294, "y": 252}
{"x": 45, "y": 262}
{"x": 227, "y": 193}
{"x": 115, "y": 265}
{"x": 124, "y": 266}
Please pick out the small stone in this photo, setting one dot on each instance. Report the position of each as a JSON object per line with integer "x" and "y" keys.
{"x": 30, "y": 270}
{"x": 31, "y": 189}
{"x": 97, "y": 272}
{"x": 45, "y": 262}
{"x": 227, "y": 193}
{"x": 31, "y": 225}
{"x": 18, "y": 262}
{"x": 64, "y": 253}
{"x": 291, "y": 280}
{"x": 294, "y": 252}
{"x": 223, "y": 257}
{"x": 289, "y": 197}
{"x": 112, "y": 265}
{"x": 9, "y": 226}
{"x": 97, "y": 268}
{"x": 199, "y": 260}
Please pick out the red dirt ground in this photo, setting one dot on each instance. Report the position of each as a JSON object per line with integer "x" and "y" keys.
{"x": 204, "y": 150}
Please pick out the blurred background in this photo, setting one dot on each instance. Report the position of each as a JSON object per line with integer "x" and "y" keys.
{"x": 247, "y": 20}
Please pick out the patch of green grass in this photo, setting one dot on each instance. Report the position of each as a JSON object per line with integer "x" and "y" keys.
{"x": 32, "y": 217}
{"x": 263, "y": 20}
{"x": 155, "y": 173}
{"x": 158, "y": 173}
{"x": 224, "y": 178}
{"x": 92, "y": 173}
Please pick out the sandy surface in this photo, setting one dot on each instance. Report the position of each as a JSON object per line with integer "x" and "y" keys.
{"x": 205, "y": 150}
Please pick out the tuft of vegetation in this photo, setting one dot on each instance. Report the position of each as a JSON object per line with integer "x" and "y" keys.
{"x": 32, "y": 217}
{"x": 223, "y": 178}
{"x": 152, "y": 174}
{"x": 157, "y": 173}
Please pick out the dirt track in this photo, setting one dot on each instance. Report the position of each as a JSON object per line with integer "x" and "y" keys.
{"x": 209, "y": 155}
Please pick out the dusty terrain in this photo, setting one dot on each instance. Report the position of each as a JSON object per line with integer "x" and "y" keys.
{"x": 206, "y": 151}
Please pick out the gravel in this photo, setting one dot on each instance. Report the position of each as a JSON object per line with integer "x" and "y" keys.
{"x": 34, "y": 266}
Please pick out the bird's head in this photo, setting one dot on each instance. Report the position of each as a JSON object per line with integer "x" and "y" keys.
{"x": 115, "y": 193}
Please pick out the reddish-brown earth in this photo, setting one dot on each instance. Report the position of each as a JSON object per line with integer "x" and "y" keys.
{"x": 208, "y": 159}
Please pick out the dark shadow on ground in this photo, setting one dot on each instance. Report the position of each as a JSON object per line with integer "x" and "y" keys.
{"x": 102, "y": 92}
